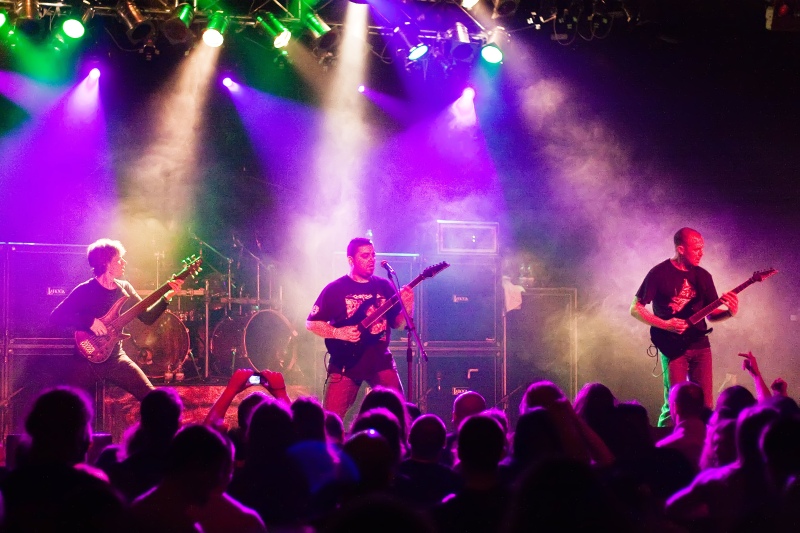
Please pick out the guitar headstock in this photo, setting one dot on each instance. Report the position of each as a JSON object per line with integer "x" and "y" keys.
{"x": 432, "y": 270}
{"x": 191, "y": 267}
{"x": 761, "y": 275}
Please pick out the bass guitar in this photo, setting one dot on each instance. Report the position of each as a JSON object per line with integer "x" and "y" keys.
{"x": 98, "y": 348}
{"x": 675, "y": 344}
{"x": 345, "y": 354}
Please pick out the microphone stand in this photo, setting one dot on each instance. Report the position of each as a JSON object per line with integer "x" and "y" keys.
{"x": 207, "y": 295}
{"x": 412, "y": 330}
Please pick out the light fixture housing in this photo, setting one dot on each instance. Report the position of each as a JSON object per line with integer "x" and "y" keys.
{"x": 139, "y": 27}
{"x": 29, "y": 18}
{"x": 275, "y": 29}
{"x": 214, "y": 34}
{"x": 462, "y": 49}
{"x": 176, "y": 28}
{"x": 504, "y": 8}
{"x": 73, "y": 26}
{"x": 325, "y": 38}
{"x": 492, "y": 50}
{"x": 408, "y": 43}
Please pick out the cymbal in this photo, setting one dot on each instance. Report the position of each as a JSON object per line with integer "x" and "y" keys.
{"x": 243, "y": 301}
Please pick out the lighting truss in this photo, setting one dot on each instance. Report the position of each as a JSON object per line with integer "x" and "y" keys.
{"x": 142, "y": 20}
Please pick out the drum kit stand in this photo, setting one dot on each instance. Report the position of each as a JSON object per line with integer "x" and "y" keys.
{"x": 229, "y": 331}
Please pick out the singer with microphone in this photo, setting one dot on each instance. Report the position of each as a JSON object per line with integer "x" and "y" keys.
{"x": 358, "y": 352}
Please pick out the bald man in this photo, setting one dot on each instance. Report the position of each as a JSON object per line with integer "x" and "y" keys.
{"x": 677, "y": 288}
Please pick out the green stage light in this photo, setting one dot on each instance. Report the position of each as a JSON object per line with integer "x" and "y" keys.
{"x": 74, "y": 27}
{"x": 491, "y": 52}
{"x": 275, "y": 29}
{"x": 214, "y": 35}
{"x": 3, "y": 18}
{"x": 409, "y": 42}
{"x": 324, "y": 38}
{"x": 176, "y": 28}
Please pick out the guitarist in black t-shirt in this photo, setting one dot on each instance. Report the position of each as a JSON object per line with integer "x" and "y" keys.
{"x": 677, "y": 288}
{"x": 337, "y": 315}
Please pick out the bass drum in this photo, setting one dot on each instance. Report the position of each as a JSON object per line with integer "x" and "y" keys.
{"x": 259, "y": 341}
{"x": 159, "y": 347}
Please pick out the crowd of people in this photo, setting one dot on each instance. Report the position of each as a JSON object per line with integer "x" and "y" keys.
{"x": 289, "y": 465}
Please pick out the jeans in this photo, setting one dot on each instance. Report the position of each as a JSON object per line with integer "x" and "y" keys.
{"x": 341, "y": 390}
{"x": 694, "y": 365}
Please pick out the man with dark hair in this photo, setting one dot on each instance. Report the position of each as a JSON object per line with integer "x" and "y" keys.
{"x": 677, "y": 288}
{"x": 90, "y": 301}
{"x": 355, "y": 356}
{"x": 688, "y": 408}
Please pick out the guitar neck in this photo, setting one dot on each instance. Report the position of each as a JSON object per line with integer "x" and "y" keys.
{"x": 704, "y": 312}
{"x": 141, "y": 306}
{"x": 376, "y": 315}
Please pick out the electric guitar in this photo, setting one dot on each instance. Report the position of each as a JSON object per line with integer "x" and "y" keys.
{"x": 98, "y": 348}
{"x": 345, "y": 354}
{"x": 675, "y": 344}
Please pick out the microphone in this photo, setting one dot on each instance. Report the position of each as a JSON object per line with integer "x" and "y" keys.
{"x": 385, "y": 264}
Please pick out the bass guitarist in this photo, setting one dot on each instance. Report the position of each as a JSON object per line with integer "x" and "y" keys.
{"x": 357, "y": 355}
{"x": 82, "y": 309}
{"x": 677, "y": 288}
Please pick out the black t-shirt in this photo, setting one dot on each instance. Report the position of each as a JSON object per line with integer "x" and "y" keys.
{"x": 678, "y": 293}
{"x": 343, "y": 298}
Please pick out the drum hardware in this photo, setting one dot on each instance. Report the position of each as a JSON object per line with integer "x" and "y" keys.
{"x": 160, "y": 347}
{"x": 258, "y": 340}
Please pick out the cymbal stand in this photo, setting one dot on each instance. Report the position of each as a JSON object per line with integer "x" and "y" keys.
{"x": 207, "y": 299}
{"x": 259, "y": 264}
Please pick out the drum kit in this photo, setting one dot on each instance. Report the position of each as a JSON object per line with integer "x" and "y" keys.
{"x": 209, "y": 333}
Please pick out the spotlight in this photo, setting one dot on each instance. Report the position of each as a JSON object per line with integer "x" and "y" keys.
{"x": 214, "y": 35}
{"x": 139, "y": 26}
{"x": 361, "y": 89}
{"x": 227, "y": 82}
{"x": 491, "y": 52}
{"x": 75, "y": 27}
{"x": 94, "y": 73}
{"x": 504, "y": 8}
{"x": 324, "y": 38}
{"x": 3, "y": 18}
{"x": 275, "y": 29}
{"x": 409, "y": 43}
{"x": 461, "y": 45}
{"x": 469, "y": 4}
{"x": 468, "y": 93}
{"x": 176, "y": 28}
{"x": 28, "y": 17}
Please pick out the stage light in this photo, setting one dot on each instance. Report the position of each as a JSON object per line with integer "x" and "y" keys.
{"x": 361, "y": 89}
{"x": 94, "y": 73}
{"x": 469, "y": 4}
{"x": 504, "y": 8}
{"x": 324, "y": 37}
{"x": 29, "y": 19}
{"x": 468, "y": 93}
{"x": 214, "y": 35}
{"x": 139, "y": 26}
{"x": 176, "y": 28}
{"x": 491, "y": 52}
{"x": 74, "y": 27}
{"x": 227, "y": 82}
{"x": 409, "y": 43}
{"x": 461, "y": 46}
{"x": 3, "y": 18}
{"x": 275, "y": 29}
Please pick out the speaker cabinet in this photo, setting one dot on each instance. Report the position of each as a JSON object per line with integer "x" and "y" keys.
{"x": 460, "y": 305}
{"x": 450, "y": 373}
{"x": 38, "y": 277}
{"x": 541, "y": 342}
